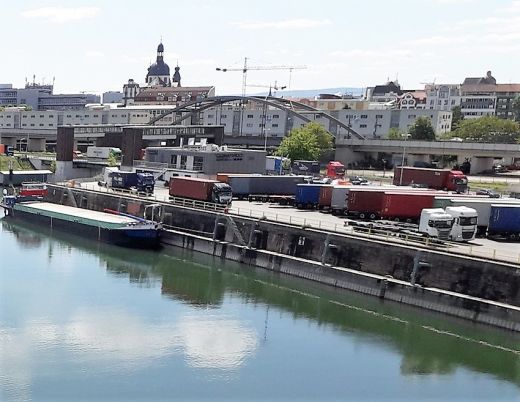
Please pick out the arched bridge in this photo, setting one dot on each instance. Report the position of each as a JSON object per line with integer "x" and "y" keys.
{"x": 293, "y": 108}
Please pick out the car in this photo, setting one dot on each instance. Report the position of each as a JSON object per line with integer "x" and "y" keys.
{"x": 358, "y": 180}
{"x": 488, "y": 192}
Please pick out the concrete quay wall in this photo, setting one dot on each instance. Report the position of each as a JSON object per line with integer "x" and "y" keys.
{"x": 340, "y": 260}
{"x": 471, "y": 308}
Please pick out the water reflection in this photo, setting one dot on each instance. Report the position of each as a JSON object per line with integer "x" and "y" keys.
{"x": 427, "y": 344}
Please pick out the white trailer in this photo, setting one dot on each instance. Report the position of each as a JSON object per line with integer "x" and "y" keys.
{"x": 103, "y": 152}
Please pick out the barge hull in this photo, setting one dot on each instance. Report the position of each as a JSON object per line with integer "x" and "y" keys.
{"x": 142, "y": 238}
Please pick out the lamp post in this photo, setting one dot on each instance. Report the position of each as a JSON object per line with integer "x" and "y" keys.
{"x": 405, "y": 136}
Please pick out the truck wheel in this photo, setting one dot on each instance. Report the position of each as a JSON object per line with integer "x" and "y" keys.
{"x": 362, "y": 215}
{"x": 513, "y": 236}
{"x": 299, "y": 205}
{"x": 372, "y": 216}
{"x": 396, "y": 220}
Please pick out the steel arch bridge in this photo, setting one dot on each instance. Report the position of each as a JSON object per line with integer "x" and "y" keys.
{"x": 293, "y": 108}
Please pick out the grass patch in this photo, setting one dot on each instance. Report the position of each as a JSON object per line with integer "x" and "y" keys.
{"x": 18, "y": 164}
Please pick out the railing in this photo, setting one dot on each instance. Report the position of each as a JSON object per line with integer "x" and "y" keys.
{"x": 340, "y": 228}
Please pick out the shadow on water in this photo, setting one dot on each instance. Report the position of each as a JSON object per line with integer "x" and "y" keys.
{"x": 428, "y": 343}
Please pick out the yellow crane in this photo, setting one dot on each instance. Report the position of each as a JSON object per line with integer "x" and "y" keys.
{"x": 246, "y": 68}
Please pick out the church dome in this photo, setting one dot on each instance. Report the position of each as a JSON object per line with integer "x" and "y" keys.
{"x": 159, "y": 68}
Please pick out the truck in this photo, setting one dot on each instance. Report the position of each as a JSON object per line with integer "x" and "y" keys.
{"x": 435, "y": 222}
{"x": 200, "y": 189}
{"x": 439, "y": 179}
{"x": 452, "y": 223}
{"x": 366, "y": 203}
{"x": 339, "y": 199}
{"x": 335, "y": 170}
{"x": 262, "y": 187}
{"x": 142, "y": 182}
{"x": 405, "y": 206}
{"x": 307, "y": 195}
{"x": 464, "y": 223}
{"x": 301, "y": 167}
{"x": 6, "y": 150}
{"x": 274, "y": 164}
{"x": 504, "y": 221}
{"x": 483, "y": 208}
{"x": 103, "y": 152}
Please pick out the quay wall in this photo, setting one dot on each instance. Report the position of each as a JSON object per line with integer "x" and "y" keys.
{"x": 340, "y": 260}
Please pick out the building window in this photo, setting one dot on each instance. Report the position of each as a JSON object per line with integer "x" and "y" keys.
{"x": 364, "y": 116}
{"x": 379, "y": 116}
{"x": 362, "y": 126}
{"x": 275, "y": 125}
{"x": 276, "y": 116}
{"x": 249, "y": 125}
{"x": 249, "y": 116}
{"x": 223, "y": 116}
{"x": 210, "y": 116}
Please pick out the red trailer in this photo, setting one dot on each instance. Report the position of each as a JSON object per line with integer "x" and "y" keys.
{"x": 440, "y": 179}
{"x": 325, "y": 197}
{"x": 365, "y": 203}
{"x": 200, "y": 189}
{"x": 406, "y": 206}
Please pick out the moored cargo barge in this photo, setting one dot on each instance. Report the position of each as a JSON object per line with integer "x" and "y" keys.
{"x": 120, "y": 229}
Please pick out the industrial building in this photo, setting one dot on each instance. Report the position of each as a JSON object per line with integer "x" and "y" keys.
{"x": 205, "y": 160}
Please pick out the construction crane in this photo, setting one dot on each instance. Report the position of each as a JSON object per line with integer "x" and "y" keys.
{"x": 246, "y": 68}
{"x": 274, "y": 87}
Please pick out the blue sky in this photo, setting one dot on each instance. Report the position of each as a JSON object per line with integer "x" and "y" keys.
{"x": 97, "y": 45}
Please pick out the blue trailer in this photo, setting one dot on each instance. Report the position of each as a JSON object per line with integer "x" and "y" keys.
{"x": 504, "y": 221}
{"x": 307, "y": 195}
{"x": 142, "y": 182}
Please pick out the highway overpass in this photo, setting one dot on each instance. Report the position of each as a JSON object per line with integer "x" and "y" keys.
{"x": 482, "y": 155}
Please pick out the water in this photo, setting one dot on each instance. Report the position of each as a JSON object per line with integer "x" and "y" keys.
{"x": 81, "y": 320}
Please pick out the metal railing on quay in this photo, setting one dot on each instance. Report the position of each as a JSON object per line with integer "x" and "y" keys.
{"x": 304, "y": 222}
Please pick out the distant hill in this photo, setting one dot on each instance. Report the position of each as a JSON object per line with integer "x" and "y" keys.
{"x": 310, "y": 93}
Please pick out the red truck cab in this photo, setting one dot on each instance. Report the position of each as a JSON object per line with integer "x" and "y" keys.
{"x": 335, "y": 170}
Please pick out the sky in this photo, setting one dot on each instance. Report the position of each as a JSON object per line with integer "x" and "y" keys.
{"x": 96, "y": 46}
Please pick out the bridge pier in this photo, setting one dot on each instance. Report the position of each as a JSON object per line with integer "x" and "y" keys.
{"x": 479, "y": 164}
{"x": 36, "y": 145}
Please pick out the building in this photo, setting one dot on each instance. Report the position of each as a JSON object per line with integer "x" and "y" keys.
{"x": 41, "y": 97}
{"x": 112, "y": 97}
{"x": 206, "y": 159}
{"x": 476, "y": 97}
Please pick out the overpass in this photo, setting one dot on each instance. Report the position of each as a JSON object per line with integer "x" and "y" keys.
{"x": 481, "y": 155}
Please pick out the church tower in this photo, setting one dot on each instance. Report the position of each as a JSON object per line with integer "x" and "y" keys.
{"x": 159, "y": 72}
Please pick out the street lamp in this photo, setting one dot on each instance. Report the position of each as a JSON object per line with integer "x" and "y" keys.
{"x": 405, "y": 136}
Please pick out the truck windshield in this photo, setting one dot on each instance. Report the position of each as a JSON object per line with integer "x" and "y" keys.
{"x": 441, "y": 224}
{"x": 460, "y": 180}
{"x": 468, "y": 221}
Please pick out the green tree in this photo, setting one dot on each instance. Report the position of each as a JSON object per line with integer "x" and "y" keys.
{"x": 516, "y": 108}
{"x": 489, "y": 129}
{"x": 422, "y": 129}
{"x": 395, "y": 134}
{"x": 308, "y": 143}
{"x": 456, "y": 117}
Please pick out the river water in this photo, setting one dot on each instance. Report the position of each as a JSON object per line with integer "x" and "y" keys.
{"x": 80, "y": 320}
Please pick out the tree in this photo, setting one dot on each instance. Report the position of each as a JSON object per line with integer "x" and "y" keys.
{"x": 516, "y": 108}
{"x": 422, "y": 129}
{"x": 395, "y": 134}
{"x": 307, "y": 143}
{"x": 489, "y": 129}
{"x": 456, "y": 117}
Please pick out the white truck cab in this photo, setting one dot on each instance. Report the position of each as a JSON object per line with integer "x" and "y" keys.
{"x": 435, "y": 222}
{"x": 464, "y": 223}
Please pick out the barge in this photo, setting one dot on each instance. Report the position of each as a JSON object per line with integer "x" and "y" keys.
{"x": 120, "y": 229}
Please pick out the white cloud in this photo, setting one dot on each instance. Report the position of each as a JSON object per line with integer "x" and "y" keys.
{"x": 61, "y": 14}
{"x": 301, "y": 23}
